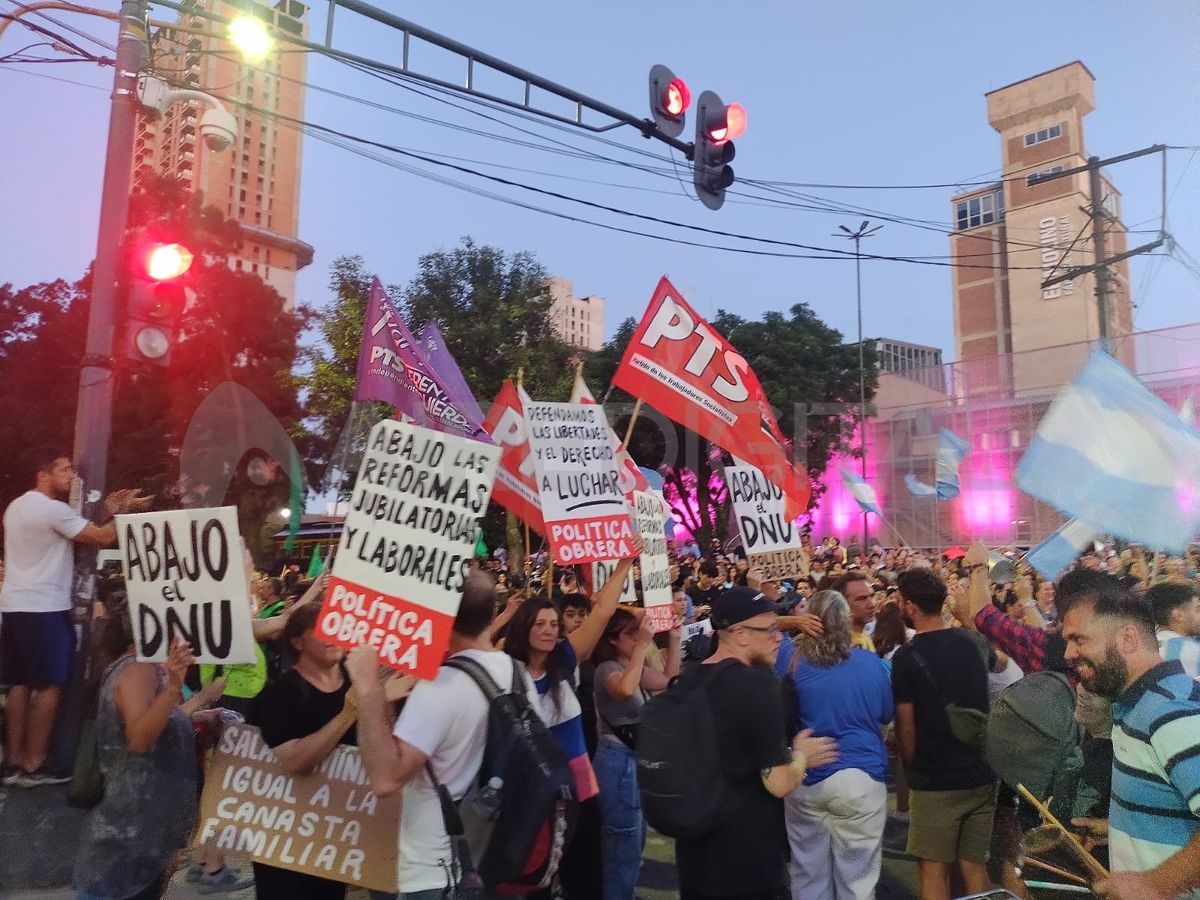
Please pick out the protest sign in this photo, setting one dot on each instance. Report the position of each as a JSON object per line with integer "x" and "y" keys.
{"x": 603, "y": 571}
{"x": 770, "y": 539}
{"x": 406, "y": 544}
{"x": 185, "y": 581}
{"x": 696, "y": 629}
{"x": 583, "y": 504}
{"x": 632, "y": 478}
{"x": 780, "y": 565}
{"x": 329, "y": 823}
{"x": 656, "y": 565}
{"x": 680, "y": 365}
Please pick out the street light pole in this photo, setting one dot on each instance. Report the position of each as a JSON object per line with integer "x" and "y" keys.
{"x": 863, "y": 231}
{"x": 93, "y": 414}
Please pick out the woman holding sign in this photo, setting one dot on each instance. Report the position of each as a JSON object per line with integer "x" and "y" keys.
{"x": 146, "y": 750}
{"x": 536, "y": 638}
{"x": 303, "y": 715}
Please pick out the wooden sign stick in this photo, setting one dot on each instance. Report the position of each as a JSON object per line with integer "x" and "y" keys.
{"x": 1086, "y": 858}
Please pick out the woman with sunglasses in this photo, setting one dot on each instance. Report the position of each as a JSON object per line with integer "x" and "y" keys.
{"x": 623, "y": 683}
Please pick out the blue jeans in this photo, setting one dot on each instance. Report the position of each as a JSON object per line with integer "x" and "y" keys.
{"x": 624, "y": 835}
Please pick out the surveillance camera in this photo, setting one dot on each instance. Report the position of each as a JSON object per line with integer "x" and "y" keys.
{"x": 218, "y": 128}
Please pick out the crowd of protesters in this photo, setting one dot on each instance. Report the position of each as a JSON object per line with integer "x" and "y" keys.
{"x": 879, "y": 665}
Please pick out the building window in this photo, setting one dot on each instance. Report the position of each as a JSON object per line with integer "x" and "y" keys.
{"x": 983, "y": 210}
{"x": 1030, "y": 179}
{"x": 1044, "y": 134}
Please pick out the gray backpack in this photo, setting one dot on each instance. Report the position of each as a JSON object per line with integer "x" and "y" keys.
{"x": 1033, "y": 738}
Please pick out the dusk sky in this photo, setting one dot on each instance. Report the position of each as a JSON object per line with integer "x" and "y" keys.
{"x": 863, "y": 93}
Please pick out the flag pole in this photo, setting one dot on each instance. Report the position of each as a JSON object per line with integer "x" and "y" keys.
{"x": 894, "y": 530}
{"x": 637, "y": 408}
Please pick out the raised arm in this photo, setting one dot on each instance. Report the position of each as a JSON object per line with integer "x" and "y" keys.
{"x": 143, "y": 707}
{"x": 604, "y": 604}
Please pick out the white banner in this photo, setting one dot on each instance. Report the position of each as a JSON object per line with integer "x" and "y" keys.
{"x": 656, "y": 565}
{"x": 603, "y": 571}
{"x": 582, "y": 502}
{"x": 185, "y": 581}
{"x": 759, "y": 507}
{"x": 406, "y": 544}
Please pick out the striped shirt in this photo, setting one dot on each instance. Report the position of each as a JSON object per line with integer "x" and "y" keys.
{"x": 1181, "y": 647}
{"x": 1155, "y": 807}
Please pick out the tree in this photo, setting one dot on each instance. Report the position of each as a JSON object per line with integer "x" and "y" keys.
{"x": 493, "y": 309}
{"x": 808, "y": 373}
{"x": 237, "y": 329}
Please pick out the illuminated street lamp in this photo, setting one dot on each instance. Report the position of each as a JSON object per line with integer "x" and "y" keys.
{"x": 251, "y": 37}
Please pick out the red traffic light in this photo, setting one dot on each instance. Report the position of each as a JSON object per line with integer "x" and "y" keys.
{"x": 676, "y": 98}
{"x": 734, "y": 125}
{"x": 166, "y": 261}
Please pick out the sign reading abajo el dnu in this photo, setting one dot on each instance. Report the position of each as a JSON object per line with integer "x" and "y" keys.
{"x": 406, "y": 544}
{"x": 770, "y": 539}
{"x": 185, "y": 582}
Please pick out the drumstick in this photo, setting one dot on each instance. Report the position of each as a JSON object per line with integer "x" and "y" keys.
{"x": 1088, "y": 860}
{"x": 1057, "y": 871}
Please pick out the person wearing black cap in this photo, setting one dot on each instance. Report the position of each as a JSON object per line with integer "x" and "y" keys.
{"x": 746, "y": 853}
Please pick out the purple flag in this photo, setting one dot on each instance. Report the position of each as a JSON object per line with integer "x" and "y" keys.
{"x": 440, "y": 359}
{"x": 392, "y": 369}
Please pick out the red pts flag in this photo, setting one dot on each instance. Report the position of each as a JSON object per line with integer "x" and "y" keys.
{"x": 515, "y": 488}
{"x": 685, "y": 370}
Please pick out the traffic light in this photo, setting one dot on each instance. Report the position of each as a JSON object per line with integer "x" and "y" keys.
{"x": 669, "y": 100}
{"x": 157, "y": 295}
{"x": 716, "y": 127}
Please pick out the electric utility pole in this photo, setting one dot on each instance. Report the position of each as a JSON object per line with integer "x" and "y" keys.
{"x": 1097, "y": 213}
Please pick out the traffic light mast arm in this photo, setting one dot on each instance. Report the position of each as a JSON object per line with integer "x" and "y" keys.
{"x": 472, "y": 58}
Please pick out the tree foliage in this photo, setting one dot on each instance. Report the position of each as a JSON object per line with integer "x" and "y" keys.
{"x": 808, "y": 373}
{"x": 493, "y": 309}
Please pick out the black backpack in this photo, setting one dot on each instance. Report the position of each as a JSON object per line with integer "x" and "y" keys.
{"x": 679, "y": 763}
{"x": 519, "y": 815}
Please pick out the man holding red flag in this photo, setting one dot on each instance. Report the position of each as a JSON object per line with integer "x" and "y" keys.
{"x": 678, "y": 364}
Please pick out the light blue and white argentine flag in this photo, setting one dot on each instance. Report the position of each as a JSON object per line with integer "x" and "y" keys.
{"x": 1052, "y": 556}
{"x": 1111, "y": 453}
{"x": 919, "y": 488}
{"x": 861, "y": 491}
{"x": 951, "y": 450}
{"x": 950, "y": 453}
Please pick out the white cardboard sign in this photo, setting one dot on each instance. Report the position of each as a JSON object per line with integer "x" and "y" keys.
{"x": 185, "y": 581}
{"x": 406, "y": 544}
{"x": 582, "y": 500}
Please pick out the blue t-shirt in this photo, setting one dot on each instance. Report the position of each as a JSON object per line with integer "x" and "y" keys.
{"x": 849, "y": 702}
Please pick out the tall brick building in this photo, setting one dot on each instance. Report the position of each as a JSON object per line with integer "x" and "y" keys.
{"x": 1017, "y": 232}
{"x": 256, "y": 181}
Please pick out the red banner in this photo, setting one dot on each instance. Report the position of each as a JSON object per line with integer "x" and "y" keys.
{"x": 679, "y": 365}
{"x": 515, "y": 488}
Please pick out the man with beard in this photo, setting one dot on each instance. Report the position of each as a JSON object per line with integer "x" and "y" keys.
{"x": 1153, "y": 829}
{"x": 36, "y": 634}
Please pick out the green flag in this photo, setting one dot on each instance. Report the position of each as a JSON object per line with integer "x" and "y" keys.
{"x": 295, "y": 501}
{"x": 480, "y": 547}
{"x": 315, "y": 566}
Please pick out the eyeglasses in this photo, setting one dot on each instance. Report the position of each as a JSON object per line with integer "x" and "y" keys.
{"x": 769, "y": 629}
